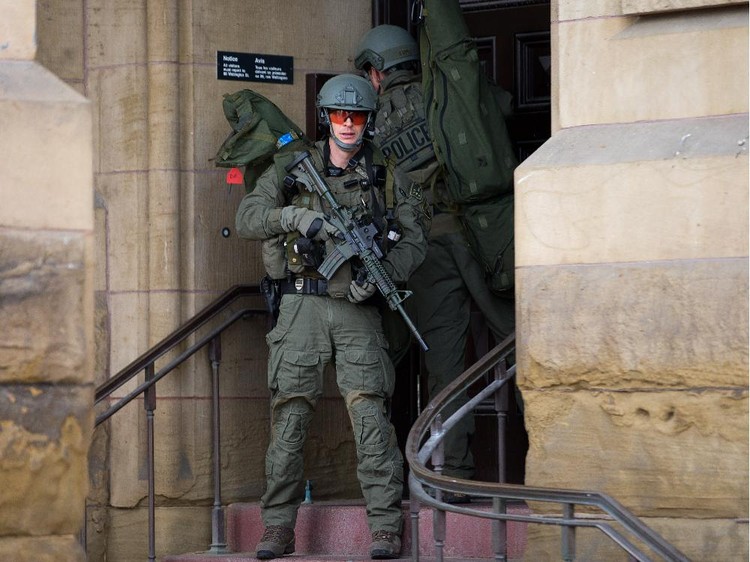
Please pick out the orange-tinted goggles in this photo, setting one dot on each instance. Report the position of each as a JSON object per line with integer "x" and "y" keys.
{"x": 339, "y": 116}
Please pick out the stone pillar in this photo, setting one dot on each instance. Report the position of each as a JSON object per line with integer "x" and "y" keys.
{"x": 46, "y": 300}
{"x": 631, "y": 248}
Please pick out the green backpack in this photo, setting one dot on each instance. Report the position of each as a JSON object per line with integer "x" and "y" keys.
{"x": 259, "y": 130}
{"x": 466, "y": 119}
{"x": 465, "y": 112}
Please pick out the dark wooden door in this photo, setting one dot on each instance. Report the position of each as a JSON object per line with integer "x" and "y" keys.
{"x": 513, "y": 41}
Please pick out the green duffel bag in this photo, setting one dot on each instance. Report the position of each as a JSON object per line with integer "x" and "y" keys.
{"x": 465, "y": 112}
{"x": 259, "y": 130}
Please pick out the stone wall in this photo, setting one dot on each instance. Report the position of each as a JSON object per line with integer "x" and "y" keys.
{"x": 46, "y": 300}
{"x": 632, "y": 279}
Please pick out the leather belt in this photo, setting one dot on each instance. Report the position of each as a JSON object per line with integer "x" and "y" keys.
{"x": 304, "y": 286}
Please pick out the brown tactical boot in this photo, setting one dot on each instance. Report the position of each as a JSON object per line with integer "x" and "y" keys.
{"x": 385, "y": 545}
{"x": 276, "y": 541}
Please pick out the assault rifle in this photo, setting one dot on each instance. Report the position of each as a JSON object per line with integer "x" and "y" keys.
{"x": 358, "y": 240}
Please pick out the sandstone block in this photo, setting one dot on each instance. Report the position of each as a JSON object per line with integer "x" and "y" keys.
{"x": 635, "y": 192}
{"x": 44, "y": 440}
{"x": 698, "y": 539}
{"x": 128, "y": 335}
{"x": 100, "y": 245}
{"x": 59, "y": 31}
{"x": 42, "y": 549}
{"x": 651, "y": 61}
{"x": 46, "y": 146}
{"x": 18, "y": 29}
{"x": 44, "y": 303}
{"x": 97, "y": 527}
{"x": 243, "y": 371}
{"x": 178, "y": 530}
{"x": 675, "y": 454}
{"x": 676, "y": 324}
{"x": 256, "y": 34}
{"x": 122, "y": 234}
{"x": 112, "y": 27}
{"x": 98, "y": 492}
{"x": 122, "y": 120}
{"x": 101, "y": 338}
{"x": 567, "y": 10}
{"x": 638, "y": 7}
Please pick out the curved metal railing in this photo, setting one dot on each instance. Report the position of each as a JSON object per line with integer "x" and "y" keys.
{"x": 147, "y": 363}
{"x": 424, "y": 445}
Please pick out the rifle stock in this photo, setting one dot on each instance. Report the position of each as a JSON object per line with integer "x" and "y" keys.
{"x": 359, "y": 240}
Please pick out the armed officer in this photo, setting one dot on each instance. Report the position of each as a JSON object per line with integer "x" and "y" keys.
{"x": 322, "y": 320}
{"x": 451, "y": 277}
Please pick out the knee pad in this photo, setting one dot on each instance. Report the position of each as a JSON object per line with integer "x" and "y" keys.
{"x": 291, "y": 420}
{"x": 373, "y": 433}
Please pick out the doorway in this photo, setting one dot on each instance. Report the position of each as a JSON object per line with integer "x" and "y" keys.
{"x": 513, "y": 42}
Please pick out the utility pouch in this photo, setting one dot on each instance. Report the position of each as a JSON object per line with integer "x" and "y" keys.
{"x": 310, "y": 251}
{"x": 293, "y": 259}
{"x": 489, "y": 230}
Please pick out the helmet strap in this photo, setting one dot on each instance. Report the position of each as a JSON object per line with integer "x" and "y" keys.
{"x": 347, "y": 145}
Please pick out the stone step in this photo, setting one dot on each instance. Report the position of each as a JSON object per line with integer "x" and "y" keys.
{"x": 338, "y": 531}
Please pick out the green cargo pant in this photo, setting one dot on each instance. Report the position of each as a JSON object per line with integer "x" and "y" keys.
{"x": 444, "y": 286}
{"x": 310, "y": 332}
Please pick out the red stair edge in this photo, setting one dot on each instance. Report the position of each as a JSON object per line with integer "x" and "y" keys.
{"x": 330, "y": 530}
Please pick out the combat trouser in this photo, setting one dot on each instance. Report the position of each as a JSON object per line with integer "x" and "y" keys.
{"x": 444, "y": 286}
{"x": 310, "y": 329}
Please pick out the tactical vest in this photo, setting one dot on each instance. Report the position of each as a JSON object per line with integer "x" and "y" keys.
{"x": 401, "y": 128}
{"x": 365, "y": 186}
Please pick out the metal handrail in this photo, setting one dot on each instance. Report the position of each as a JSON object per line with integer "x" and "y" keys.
{"x": 146, "y": 363}
{"x": 424, "y": 444}
{"x": 169, "y": 342}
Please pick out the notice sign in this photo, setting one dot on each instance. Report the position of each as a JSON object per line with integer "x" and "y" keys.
{"x": 249, "y": 67}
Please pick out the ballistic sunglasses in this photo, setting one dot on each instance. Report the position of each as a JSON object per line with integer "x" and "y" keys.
{"x": 339, "y": 116}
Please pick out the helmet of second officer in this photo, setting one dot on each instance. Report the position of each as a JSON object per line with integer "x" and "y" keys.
{"x": 350, "y": 93}
{"x": 386, "y": 46}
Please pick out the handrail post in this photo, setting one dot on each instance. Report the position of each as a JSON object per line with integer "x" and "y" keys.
{"x": 568, "y": 534}
{"x": 500, "y": 527}
{"x": 218, "y": 535}
{"x": 438, "y": 515}
{"x": 499, "y": 530}
{"x": 414, "y": 508}
{"x": 149, "y": 404}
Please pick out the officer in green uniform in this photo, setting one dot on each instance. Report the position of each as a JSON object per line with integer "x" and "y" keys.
{"x": 451, "y": 277}
{"x": 338, "y": 319}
